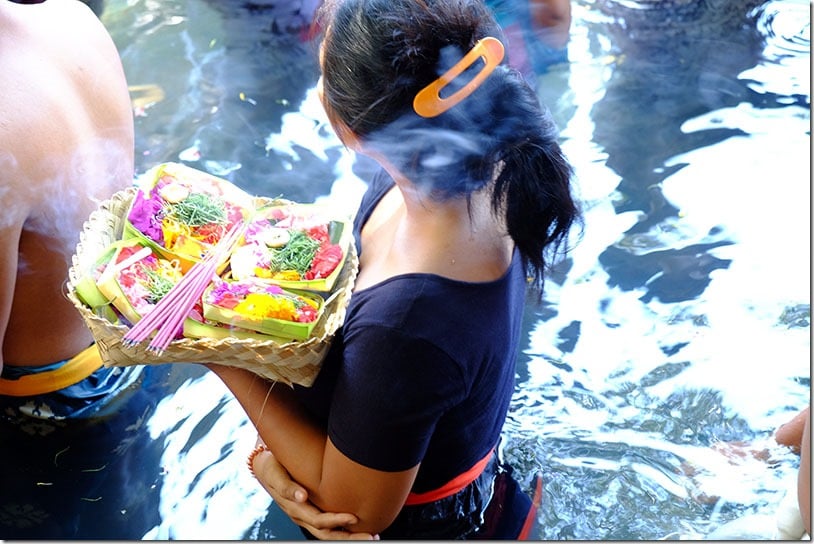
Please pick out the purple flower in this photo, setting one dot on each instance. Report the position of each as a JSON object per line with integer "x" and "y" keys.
{"x": 274, "y": 289}
{"x": 145, "y": 216}
{"x": 237, "y": 290}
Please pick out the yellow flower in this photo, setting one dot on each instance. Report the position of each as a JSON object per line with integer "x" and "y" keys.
{"x": 291, "y": 275}
{"x": 262, "y": 272}
{"x": 261, "y": 306}
{"x": 172, "y": 230}
{"x": 284, "y": 275}
{"x": 169, "y": 270}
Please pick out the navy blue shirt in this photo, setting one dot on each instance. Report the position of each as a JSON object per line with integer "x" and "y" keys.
{"x": 422, "y": 369}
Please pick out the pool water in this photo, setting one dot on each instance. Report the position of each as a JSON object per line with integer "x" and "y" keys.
{"x": 679, "y": 321}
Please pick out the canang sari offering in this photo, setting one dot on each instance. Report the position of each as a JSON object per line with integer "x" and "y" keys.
{"x": 190, "y": 268}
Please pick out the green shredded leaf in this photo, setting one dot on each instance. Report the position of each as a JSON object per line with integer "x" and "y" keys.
{"x": 297, "y": 254}
{"x": 157, "y": 285}
{"x": 198, "y": 209}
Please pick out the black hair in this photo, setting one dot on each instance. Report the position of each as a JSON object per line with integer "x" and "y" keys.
{"x": 377, "y": 54}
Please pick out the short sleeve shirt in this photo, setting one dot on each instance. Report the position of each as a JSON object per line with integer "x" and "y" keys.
{"x": 422, "y": 370}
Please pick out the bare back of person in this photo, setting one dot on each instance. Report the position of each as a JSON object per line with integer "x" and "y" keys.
{"x": 66, "y": 144}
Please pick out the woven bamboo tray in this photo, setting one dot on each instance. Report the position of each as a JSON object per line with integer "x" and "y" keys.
{"x": 292, "y": 362}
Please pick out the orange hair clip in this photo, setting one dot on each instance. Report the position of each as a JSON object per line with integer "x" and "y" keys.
{"x": 428, "y": 101}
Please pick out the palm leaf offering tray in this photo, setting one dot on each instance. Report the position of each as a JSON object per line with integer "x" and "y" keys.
{"x": 188, "y": 268}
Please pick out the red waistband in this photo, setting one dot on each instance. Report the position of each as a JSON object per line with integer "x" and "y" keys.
{"x": 452, "y": 486}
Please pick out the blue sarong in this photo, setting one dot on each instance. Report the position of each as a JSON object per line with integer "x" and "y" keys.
{"x": 79, "y": 387}
{"x": 79, "y": 462}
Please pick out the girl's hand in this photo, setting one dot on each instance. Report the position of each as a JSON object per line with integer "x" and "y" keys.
{"x": 292, "y": 499}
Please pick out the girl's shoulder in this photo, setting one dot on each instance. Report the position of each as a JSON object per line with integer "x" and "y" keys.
{"x": 404, "y": 300}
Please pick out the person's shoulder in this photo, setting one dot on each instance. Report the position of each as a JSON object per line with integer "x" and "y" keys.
{"x": 53, "y": 27}
{"x": 68, "y": 24}
{"x": 73, "y": 8}
{"x": 62, "y": 12}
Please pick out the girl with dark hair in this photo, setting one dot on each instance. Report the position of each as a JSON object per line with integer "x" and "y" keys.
{"x": 400, "y": 430}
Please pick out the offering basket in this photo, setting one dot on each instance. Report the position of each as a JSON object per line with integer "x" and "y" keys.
{"x": 292, "y": 362}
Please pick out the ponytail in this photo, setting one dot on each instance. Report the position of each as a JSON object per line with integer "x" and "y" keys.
{"x": 533, "y": 190}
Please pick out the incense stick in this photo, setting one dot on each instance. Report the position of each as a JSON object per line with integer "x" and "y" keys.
{"x": 167, "y": 317}
{"x": 175, "y": 321}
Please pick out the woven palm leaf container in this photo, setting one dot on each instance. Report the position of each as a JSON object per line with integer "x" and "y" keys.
{"x": 291, "y": 362}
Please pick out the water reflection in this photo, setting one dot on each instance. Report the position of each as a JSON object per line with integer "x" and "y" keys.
{"x": 676, "y": 61}
{"x": 206, "y": 492}
{"x": 94, "y": 478}
{"x": 786, "y": 29}
{"x": 668, "y": 334}
{"x": 681, "y": 319}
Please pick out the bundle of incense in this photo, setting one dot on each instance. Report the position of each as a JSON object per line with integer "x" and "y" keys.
{"x": 166, "y": 319}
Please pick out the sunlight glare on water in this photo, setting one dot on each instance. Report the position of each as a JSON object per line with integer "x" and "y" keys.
{"x": 206, "y": 492}
{"x": 631, "y": 382}
{"x": 680, "y": 320}
{"x": 786, "y": 67}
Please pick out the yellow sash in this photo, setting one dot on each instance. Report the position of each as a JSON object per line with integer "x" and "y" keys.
{"x": 76, "y": 369}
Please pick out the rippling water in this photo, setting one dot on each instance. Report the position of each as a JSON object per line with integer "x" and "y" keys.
{"x": 680, "y": 320}
{"x": 683, "y": 316}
